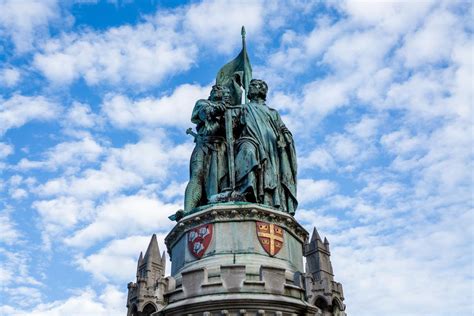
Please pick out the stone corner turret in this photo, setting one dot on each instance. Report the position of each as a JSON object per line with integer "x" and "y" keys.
{"x": 321, "y": 289}
{"x": 145, "y": 296}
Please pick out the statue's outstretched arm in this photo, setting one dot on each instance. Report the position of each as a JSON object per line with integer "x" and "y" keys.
{"x": 209, "y": 110}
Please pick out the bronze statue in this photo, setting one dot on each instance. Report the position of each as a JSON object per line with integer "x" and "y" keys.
{"x": 265, "y": 161}
{"x": 244, "y": 152}
{"x": 209, "y": 164}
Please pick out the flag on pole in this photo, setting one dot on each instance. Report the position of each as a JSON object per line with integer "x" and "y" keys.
{"x": 237, "y": 74}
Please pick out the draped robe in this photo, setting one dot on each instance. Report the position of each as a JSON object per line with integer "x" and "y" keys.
{"x": 265, "y": 159}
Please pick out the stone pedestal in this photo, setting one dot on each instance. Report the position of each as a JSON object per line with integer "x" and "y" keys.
{"x": 235, "y": 274}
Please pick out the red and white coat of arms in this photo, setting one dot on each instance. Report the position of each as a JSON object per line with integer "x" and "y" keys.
{"x": 199, "y": 239}
{"x": 270, "y": 237}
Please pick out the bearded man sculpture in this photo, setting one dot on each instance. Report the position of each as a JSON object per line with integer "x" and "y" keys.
{"x": 244, "y": 152}
{"x": 265, "y": 161}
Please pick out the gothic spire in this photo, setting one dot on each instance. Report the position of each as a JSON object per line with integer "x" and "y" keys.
{"x": 326, "y": 243}
{"x": 140, "y": 261}
{"x": 315, "y": 235}
{"x": 152, "y": 253}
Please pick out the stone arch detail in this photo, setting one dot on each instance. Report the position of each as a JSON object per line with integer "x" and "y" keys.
{"x": 148, "y": 309}
{"x": 321, "y": 302}
{"x": 337, "y": 303}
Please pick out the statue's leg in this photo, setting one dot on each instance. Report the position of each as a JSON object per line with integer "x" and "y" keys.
{"x": 246, "y": 164}
{"x": 194, "y": 189}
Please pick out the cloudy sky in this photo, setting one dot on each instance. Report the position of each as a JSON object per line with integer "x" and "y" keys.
{"x": 95, "y": 98}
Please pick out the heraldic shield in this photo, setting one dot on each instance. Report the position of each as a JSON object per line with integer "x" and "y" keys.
{"x": 199, "y": 239}
{"x": 270, "y": 237}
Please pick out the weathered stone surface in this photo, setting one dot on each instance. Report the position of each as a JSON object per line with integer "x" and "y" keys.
{"x": 146, "y": 295}
{"x": 235, "y": 239}
{"x": 193, "y": 280}
{"x": 321, "y": 289}
{"x": 274, "y": 279}
{"x": 233, "y": 277}
{"x": 235, "y": 263}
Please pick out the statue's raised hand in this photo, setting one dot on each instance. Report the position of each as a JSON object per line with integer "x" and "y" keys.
{"x": 219, "y": 107}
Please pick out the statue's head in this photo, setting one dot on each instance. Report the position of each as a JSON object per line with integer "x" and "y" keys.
{"x": 219, "y": 93}
{"x": 257, "y": 89}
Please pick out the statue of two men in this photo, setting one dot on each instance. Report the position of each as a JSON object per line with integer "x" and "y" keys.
{"x": 263, "y": 152}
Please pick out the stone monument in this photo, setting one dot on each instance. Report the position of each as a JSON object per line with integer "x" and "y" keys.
{"x": 236, "y": 248}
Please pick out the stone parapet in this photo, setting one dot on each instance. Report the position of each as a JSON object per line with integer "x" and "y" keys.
{"x": 236, "y": 274}
{"x": 236, "y": 295}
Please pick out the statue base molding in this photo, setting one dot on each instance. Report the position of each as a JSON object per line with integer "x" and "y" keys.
{"x": 236, "y": 275}
{"x": 237, "y": 258}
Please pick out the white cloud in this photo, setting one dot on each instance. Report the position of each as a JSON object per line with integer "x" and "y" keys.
{"x": 172, "y": 110}
{"x": 18, "y": 110}
{"x": 310, "y": 190}
{"x": 344, "y": 147}
{"x": 5, "y": 150}
{"x": 67, "y": 155}
{"x": 85, "y": 302}
{"x": 392, "y": 16}
{"x": 432, "y": 42}
{"x": 222, "y": 31}
{"x": 372, "y": 258}
{"x": 23, "y": 21}
{"x": 365, "y": 129}
{"x": 148, "y": 162}
{"x": 108, "y": 180}
{"x": 14, "y": 189}
{"x": 58, "y": 216}
{"x": 401, "y": 142}
{"x": 121, "y": 215}
{"x": 174, "y": 190}
{"x": 152, "y": 158}
{"x": 312, "y": 218}
{"x": 158, "y": 47}
{"x": 9, "y": 76}
{"x": 372, "y": 59}
{"x": 319, "y": 157}
{"x": 10, "y": 233}
{"x": 324, "y": 96}
{"x": 64, "y": 211}
{"x": 81, "y": 115}
{"x": 344, "y": 151}
{"x": 124, "y": 254}
{"x": 141, "y": 55}
{"x": 15, "y": 268}
{"x": 437, "y": 160}
{"x": 25, "y": 296}
{"x": 18, "y": 193}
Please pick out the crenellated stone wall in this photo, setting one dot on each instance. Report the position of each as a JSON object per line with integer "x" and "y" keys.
{"x": 236, "y": 275}
{"x": 237, "y": 259}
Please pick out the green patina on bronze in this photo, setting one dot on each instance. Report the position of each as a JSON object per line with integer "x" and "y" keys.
{"x": 243, "y": 152}
{"x": 237, "y": 73}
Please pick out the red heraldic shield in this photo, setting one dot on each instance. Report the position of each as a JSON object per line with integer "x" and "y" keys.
{"x": 270, "y": 237}
{"x": 199, "y": 239}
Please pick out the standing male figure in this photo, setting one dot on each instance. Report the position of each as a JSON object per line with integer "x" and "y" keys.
{"x": 208, "y": 166}
{"x": 265, "y": 158}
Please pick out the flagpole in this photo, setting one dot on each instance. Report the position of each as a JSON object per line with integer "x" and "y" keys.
{"x": 244, "y": 50}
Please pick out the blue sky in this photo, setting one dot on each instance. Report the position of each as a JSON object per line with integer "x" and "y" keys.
{"x": 95, "y": 98}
